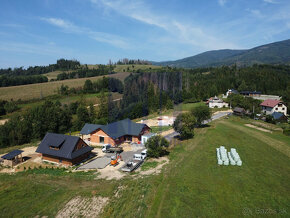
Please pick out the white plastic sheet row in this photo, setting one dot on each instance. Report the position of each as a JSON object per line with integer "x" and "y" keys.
{"x": 226, "y": 158}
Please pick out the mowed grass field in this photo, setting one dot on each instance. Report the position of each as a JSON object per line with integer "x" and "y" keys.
{"x": 191, "y": 185}
{"x": 118, "y": 69}
{"x": 88, "y": 99}
{"x": 39, "y": 90}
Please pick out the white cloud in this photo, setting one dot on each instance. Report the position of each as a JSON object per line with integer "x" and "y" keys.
{"x": 137, "y": 10}
{"x": 256, "y": 13}
{"x": 98, "y": 36}
{"x": 271, "y": 1}
{"x": 222, "y": 2}
{"x": 177, "y": 31}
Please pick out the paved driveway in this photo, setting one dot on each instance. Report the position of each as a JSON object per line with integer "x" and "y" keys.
{"x": 99, "y": 163}
{"x": 128, "y": 155}
{"x": 170, "y": 136}
{"x": 216, "y": 116}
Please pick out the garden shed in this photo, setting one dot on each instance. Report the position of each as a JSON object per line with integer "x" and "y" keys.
{"x": 12, "y": 158}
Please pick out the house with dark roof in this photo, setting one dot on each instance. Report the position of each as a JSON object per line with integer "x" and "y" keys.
{"x": 239, "y": 111}
{"x": 279, "y": 117}
{"x": 251, "y": 93}
{"x": 114, "y": 133}
{"x": 270, "y": 106}
{"x": 64, "y": 149}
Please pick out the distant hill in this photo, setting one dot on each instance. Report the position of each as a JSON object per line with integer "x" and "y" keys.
{"x": 273, "y": 53}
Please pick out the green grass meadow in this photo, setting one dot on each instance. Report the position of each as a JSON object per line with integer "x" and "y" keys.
{"x": 190, "y": 185}
{"x": 193, "y": 185}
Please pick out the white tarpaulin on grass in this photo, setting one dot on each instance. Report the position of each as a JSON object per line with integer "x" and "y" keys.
{"x": 226, "y": 158}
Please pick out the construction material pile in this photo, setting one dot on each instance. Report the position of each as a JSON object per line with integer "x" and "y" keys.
{"x": 224, "y": 157}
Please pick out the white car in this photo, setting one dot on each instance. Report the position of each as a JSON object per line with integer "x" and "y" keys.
{"x": 106, "y": 148}
{"x": 137, "y": 157}
{"x": 144, "y": 154}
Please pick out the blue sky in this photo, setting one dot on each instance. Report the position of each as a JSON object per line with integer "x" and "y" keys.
{"x": 38, "y": 32}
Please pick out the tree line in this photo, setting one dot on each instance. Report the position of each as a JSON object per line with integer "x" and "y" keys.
{"x": 105, "y": 84}
{"x": 126, "y": 61}
{"x": 61, "y": 64}
{"x": 6, "y": 81}
{"x": 86, "y": 72}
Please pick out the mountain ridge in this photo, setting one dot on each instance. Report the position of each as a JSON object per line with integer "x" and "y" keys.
{"x": 272, "y": 53}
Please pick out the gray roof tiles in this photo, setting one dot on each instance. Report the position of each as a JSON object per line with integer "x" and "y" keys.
{"x": 89, "y": 128}
{"x": 116, "y": 129}
{"x": 65, "y": 143}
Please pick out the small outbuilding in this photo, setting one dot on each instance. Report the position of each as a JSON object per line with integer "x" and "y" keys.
{"x": 279, "y": 117}
{"x": 12, "y": 158}
{"x": 239, "y": 111}
{"x": 64, "y": 149}
{"x": 144, "y": 138}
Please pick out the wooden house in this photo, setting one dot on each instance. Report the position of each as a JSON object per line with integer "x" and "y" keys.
{"x": 114, "y": 133}
{"x": 64, "y": 149}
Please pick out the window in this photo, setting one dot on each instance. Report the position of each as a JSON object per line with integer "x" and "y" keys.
{"x": 53, "y": 148}
{"x": 102, "y": 139}
{"x": 283, "y": 108}
{"x": 276, "y": 109}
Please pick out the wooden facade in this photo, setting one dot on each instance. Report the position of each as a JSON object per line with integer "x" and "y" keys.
{"x": 69, "y": 162}
{"x": 64, "y": 161}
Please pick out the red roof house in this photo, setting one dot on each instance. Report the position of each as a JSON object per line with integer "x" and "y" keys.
{"x": 270, "y": 106}
{"x": 270, "y": 103}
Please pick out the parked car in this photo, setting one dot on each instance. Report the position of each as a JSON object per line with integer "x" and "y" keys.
{"x": 107, "y": 148}
{"x": 144, "y": 154}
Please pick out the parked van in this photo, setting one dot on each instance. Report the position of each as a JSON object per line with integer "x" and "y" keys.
{"x": 144, "y": 154}
{"x": 137, "y": 157}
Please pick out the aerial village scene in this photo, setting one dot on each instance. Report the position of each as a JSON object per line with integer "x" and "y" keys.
{"x": 144, "y": 108}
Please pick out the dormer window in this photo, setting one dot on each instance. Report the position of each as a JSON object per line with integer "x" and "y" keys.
{"x": 53, "y": 148}
{"x": 56, "y": 145}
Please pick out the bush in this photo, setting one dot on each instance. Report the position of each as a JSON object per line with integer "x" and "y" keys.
{"x": 155, "y": 146}
{"x": 201, "y": 113}
{"x": 184, "y": 125}
{"x": 286, "y": 131}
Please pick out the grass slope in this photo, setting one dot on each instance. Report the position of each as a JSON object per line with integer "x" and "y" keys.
{"x": 44, "y": 192}
{"x": 191, "y": 185}
{"x": 34, "y": 91}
